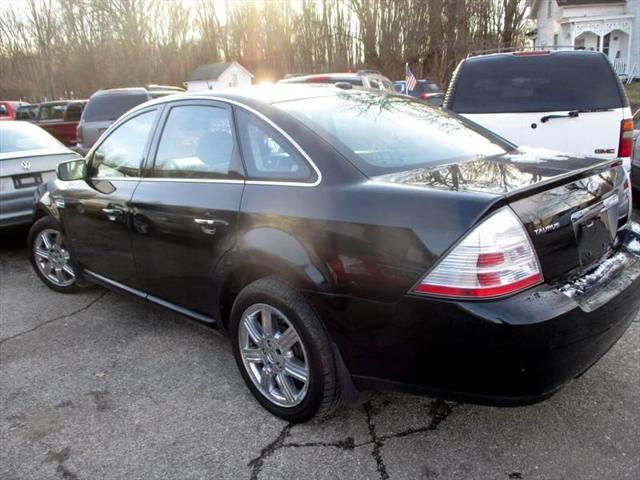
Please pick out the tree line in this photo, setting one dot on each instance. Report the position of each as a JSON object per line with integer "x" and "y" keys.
{"x": 64, "y": 48}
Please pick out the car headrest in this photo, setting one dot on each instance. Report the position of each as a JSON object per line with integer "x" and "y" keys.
{"x": 215, "y": 147}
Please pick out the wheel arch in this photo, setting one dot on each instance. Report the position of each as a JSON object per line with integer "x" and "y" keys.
{"x": 256, "y": 257}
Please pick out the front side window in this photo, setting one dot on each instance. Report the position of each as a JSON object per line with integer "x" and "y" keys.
{"x": 197, "y": 142}
{"x": 267, "y": 154}
{"x": 121, "y": 154}
{"x": 384, "y": 134}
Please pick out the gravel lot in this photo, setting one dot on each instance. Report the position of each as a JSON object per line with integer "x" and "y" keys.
{"x": 100, "y": 386}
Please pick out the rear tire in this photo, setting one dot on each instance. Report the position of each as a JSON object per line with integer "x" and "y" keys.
{"x": 289, "y": 364}
{"x": 50, "y": 257}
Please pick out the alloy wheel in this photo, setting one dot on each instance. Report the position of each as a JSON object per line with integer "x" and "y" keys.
{"x": 273, "y": 355}
{"x": 52, "y": 258}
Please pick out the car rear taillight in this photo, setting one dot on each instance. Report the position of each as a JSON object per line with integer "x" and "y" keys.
{"x": 78, "y": 134}
{"x": 495, "y": 259}
{"x": 424, "y": 96}
{"x": 625, "y": 148}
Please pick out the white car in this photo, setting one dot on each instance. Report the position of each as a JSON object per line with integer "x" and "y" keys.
{"x": 569, "y": 101}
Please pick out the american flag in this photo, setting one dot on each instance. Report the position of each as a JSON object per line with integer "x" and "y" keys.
{"x": 410, "y": 80}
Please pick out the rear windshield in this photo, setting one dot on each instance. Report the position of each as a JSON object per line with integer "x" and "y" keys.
{"x": 542, "y": 83}
{"x": 22, "y": 136}
{"x": 74, "y": 112}
{"x": 384, "y": 134}
{"x": 111, "y": 107}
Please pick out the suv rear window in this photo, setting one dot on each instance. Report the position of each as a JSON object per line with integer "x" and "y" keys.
{"x": 111, "y": 107}
{"x": 544, "y": 83}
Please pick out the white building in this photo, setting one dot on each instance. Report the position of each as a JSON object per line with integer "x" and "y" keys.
{"x": 609, "y": 26}
{"x": 216, "y": 76}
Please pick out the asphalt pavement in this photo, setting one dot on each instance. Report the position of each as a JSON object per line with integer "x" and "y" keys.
{"x": 101, "y": 386}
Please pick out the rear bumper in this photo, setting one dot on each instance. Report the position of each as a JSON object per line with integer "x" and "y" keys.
{"x": 513, "y": 351}
{"x": 16, "y": 207}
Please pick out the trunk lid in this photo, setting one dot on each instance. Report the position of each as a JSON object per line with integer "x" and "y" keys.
{"x": 572, "y": 207}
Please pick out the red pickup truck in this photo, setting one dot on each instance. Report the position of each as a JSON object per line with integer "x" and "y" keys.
{"x": 61, "y": 119}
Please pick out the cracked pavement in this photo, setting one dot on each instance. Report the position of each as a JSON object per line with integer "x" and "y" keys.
{"x": 101, "y": 386}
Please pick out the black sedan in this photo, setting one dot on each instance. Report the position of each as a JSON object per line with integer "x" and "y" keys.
{"x": 347, "y": 240}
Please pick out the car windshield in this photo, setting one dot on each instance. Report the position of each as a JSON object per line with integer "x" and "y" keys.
{"x": 541, "y": 83}
{"x": 384, "y": 134}
{"x": 111, "y": 107}
{"x": 22, "y": 136}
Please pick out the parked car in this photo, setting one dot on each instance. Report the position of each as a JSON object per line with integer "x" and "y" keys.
{"x": 28, "y": 113}
{"x": 8, "y": 109}
{"x": 61, "y": 119}
{"x": 28, "y": 157}
{"x": 570, "y": 101}
{"x": 364, "y": 78}
{"x": 349, "y": 239}
{"x": 425, "y": 90}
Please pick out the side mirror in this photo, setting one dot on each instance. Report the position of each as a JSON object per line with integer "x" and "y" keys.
{"x": 72, "y": 170}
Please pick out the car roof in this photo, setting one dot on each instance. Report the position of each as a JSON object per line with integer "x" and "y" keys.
{"x": 532, "y": 53}
{"x": 266, "y": 94}
{"x": 278, "y": 92}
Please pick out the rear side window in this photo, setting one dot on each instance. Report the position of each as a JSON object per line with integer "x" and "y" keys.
{"x": 542, "y": 83}
{"x": 197, "y": 142}
{"x": 267, "y": 154}
{"x": 109, "y": 108}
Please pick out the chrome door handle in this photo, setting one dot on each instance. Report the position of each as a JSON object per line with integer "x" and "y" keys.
{"x": 209, "y": 222}
{"x": 113, "y": 211}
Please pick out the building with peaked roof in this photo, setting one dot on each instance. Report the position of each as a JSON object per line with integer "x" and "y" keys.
{"x": 608, "y": 26}
{"x": 215, "y": 76}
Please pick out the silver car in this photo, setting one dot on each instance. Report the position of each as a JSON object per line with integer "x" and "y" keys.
{"x": 28, "y": 157}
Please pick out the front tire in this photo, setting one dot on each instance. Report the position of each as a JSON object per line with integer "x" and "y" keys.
{"x": 50, "y": 257}
{"x": 283, "y": 351}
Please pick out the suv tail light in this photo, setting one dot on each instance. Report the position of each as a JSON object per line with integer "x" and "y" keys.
{"x": 625, "y": 148}
{"x": 78, "y": 134}
{"x": 495, "y": 259}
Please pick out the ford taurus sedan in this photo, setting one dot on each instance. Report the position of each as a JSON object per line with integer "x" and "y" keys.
{"x": 28, "y": 157}
{"x": 348, "y": 240}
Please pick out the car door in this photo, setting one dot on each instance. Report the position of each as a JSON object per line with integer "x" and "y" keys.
{"x": 96, "y": 211}
{"x": 185, "y": 209}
